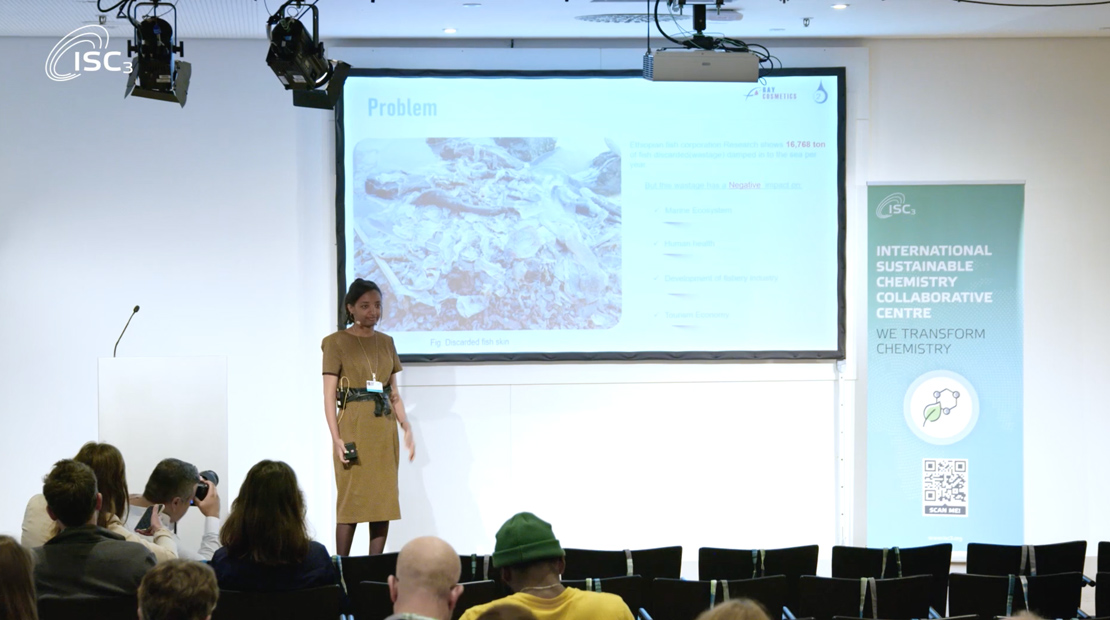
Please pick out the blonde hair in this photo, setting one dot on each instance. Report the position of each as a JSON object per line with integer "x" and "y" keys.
{"x": 736, "y": 609}
{"x": 17, "y": 583}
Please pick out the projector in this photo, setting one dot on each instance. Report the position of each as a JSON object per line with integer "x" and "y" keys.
{"x": 700, "y": 66}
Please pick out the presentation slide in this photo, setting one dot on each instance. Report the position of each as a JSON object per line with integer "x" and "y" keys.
{"x": 561, "y": 216}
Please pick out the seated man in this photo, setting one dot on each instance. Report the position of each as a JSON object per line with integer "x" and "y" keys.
{"x": 83, "y": 559}
{"x": 532, "y": 562}
{"x": 426, "y": 585}
{"x": 178, "y": 590}
{"x": 173, "y": 483}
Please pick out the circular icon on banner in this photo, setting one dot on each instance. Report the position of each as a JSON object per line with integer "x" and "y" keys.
{"x": 941, "y": 407}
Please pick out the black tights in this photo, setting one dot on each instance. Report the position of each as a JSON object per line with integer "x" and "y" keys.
{"x": 345, "y": 535}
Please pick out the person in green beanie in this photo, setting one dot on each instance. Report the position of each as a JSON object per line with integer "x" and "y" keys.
{"x": 532, "y": 563}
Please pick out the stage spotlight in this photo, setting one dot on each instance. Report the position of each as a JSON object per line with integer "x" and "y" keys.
{"x": 297, "y": 58}
{"x": 156, "y": 75}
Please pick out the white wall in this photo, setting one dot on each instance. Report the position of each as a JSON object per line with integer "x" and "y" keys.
{"x": 235, "y": 257}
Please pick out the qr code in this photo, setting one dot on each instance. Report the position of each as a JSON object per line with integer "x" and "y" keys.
{"x": 944, "y": 487}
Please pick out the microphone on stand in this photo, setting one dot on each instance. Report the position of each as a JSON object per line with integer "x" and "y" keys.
{"x": 124, "y": 330}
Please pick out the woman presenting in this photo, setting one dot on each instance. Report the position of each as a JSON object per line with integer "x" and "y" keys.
{"x": 361, "y": 400}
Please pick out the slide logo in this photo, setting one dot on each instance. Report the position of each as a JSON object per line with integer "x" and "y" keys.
{"x": 894, "y": 204}
{"x": 92, "y": 60}
{"x": 820, "y": 95}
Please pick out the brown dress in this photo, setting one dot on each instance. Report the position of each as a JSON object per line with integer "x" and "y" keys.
{"x": 368, "y": 486}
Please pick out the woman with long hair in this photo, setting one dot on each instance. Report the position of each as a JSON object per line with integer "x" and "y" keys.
{"x": 266, "y": 546}
{"x": 17, "y": 583}
{"x": 111, "y": 482}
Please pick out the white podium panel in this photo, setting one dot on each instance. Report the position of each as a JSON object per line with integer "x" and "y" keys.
{"x": 153, "y": 408}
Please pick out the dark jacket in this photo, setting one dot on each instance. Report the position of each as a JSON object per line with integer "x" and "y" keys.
{"x": 89, "y": 561}
{"x": 244, "y": 575}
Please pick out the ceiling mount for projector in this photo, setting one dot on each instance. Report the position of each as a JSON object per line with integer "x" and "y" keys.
{"x": 703, "y": 58}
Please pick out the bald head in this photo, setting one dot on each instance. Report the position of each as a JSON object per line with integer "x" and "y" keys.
{"x": 427, "y": 565}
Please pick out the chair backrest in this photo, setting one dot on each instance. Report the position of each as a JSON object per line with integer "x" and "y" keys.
{"x": 901, "y": 598}
{"x": 370, "y": 600}
{"x": 322, "y": 603}
{"x": 792, "y": 562}
{"x": 476, "y": 568}
{"x": 359, "y": 568}
{"x": 821, "y": 598}
{"x": 933, "y": 560}
{"x": 664, "y": 562}
{"x": 676, "y": 599}
{"x": 983, "y": 596}
{"x": 475, "y": 593}
{"x": 1102, "y": 595}
{"x": 98, "y": 608}
{"x": 985, "y": 559}
{"x": 1104, "y": 557}
{"x": 986, "y": 596}
{"x": 631, "y": 589}
{"x": 1057, "y": 595}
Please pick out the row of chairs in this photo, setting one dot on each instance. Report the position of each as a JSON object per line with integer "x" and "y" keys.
{"x": 974, "y": 597}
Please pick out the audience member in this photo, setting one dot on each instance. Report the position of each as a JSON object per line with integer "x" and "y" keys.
{"x": 737, "y": 609}
{"x": 266, "y": 543}
{"x": 17, "y": 586}
{"x": 178, "y": 590}
{"x": 84, "y": 559}
{"x": 173, "y": 484}
{"x": 532, "y": 562}
{"x": 111, "y": 480}
{"x": 426, "y": 586}
{"x": 507, "y": 612}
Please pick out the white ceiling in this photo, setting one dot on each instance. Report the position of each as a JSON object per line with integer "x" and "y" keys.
{"x": 502, "y": 19}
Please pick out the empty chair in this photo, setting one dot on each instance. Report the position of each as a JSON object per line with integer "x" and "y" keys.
{"x": 630, "y": 589}
{"x": 91, "y": 608}
{"x": 792, "y": 562}
{"x": 901, "y": 598}
{"x": 664, "y": 562}
{"x": 358, "y": 568}
{"x": 1102, "y": 591}
{"x": 476, "y": 568}
{"x": 323, "y": 603}
{"x": 475, "y": 593}
{"x": 675, "y": 599}
{"x": 990, "y": 596}
{"x": 984, "y": 559}
{"x": 933, "y": 560}
{"x": 369, "y": 600}
{"x": 821, "y": 598}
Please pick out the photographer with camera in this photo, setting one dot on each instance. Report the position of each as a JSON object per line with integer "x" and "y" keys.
{"x": 175, "y": 485}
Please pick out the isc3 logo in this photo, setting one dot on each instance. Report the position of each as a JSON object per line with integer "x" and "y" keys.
{"x": 894, "y": 204}
{"x": 91, "y": 60}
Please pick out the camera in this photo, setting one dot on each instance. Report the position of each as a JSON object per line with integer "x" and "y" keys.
{"x": 202, "y": 487}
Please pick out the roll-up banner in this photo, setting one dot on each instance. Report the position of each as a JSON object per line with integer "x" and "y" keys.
{"x": 944, "y": 365}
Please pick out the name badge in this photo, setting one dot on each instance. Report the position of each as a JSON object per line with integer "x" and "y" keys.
{"x": 374, "y": 386}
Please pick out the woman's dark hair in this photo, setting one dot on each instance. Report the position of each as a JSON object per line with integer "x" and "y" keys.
{"x": 358, "y": 288}
{"x": 17, "y": 583}
{"x": 266, "y": 522}
{"x": 111, "y": 478}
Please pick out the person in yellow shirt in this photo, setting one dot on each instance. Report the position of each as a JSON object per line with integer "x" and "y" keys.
{"x": 531, "y": 562}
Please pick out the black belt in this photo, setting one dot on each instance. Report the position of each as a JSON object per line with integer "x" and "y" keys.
{"x": 354, "y": 395}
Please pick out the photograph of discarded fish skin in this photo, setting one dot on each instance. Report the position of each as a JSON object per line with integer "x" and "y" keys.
{"x": 478, "y": 234}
